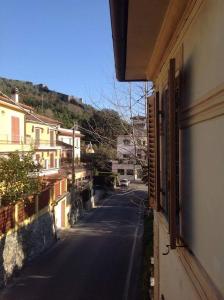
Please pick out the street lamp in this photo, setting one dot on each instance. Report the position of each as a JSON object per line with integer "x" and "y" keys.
{"x": 89, "y": 148}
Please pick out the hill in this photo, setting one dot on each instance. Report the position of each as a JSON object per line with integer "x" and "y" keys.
{"x": 47, "y": 102}
{"x": 101, "y": 126}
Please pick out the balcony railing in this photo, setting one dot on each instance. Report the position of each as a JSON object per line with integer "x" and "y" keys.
{"x": 37, "y": 143}
{"x": 11, "y": 140}
{"x": 43, "y": 143}
{"x": 66, "y": 163}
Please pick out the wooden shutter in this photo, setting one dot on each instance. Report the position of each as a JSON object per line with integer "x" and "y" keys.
{"x": 172, "y": 170}
{"x": 153, "y": 151}
{"x": 51, "y": 138}
{"x": 157, "y": 133}
{"x": 37, "y": 136}
{"x": 51, "y": 160}
{"x": 15, "y": 130}
{"x": 38, "y": 158}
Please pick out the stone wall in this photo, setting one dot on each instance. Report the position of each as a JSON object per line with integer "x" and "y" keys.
{"x": 18, "y": 247}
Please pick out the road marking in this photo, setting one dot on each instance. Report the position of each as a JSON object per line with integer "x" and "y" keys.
{"x": 128, "y": 278}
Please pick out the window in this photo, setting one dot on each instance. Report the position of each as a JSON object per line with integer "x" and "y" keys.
{"x": 120, "y": 171}
{"x": 164, "y": 147}
{"x": 51, "y": 160}
{"x": 153, "y": 152}
{"x": 52, "y": 138}
{"x": 126, "y": 142}
{"x": 126, "y": 155}
{"x": 139, "y": 142}
{"x": 15, "y": 129}
{"x": 173, "y": 153}
{"x": 46, "y": 164}
{"x": 38, "y": 158}
{"x": 169, "y": 202}
{"x": 130, "y": 172}
{"x": 37, "y": 136}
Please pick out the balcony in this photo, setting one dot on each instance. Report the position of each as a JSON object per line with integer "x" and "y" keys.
{"x": 42, "y": 144}
{"x": 66, "y": 163}
{"x": 10, "y": 143}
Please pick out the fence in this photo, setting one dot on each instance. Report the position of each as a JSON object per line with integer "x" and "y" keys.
{"x": 7, "y": 220}
{"x": 13, "y": 216}
{"x": 60, "y": 187}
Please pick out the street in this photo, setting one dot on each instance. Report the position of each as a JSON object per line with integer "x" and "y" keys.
{"x": 97, "y": 259}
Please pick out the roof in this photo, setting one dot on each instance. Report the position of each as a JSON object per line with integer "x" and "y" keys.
{"x": 39, "y": 119}
{"x": 69, "y": 132}
{"x": 141, "y": 32}
{"x": 10, "y": 103}
{"x": 26, "y": 106}
{"x": 119, "y": 21}
{"x": 34, "y": 117}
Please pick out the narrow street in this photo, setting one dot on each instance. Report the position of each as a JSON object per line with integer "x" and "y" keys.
{"x": 98, "y": 259}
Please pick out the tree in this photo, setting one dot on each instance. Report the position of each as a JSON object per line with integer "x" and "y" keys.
{"x": 100, "y": 160}
{"x": 104, "y": 126}
{"x": 18, "y": 177}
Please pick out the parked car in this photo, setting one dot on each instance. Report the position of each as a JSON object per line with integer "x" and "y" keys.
{"x": 124, "y": 182}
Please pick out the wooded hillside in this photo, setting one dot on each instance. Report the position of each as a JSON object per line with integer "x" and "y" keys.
{"x": 101, "y": 126}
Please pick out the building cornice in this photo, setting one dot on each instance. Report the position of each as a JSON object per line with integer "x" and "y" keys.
{"x": 178, "y": 17}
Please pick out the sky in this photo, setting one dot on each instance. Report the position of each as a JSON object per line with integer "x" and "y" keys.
{"x": 66, "y": 45}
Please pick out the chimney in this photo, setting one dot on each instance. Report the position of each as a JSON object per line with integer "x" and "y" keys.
{"x": 15, "y": 94}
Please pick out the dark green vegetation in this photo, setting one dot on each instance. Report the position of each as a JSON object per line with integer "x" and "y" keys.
{"x": 18, "y": 177}
{"x": 147, "y": 254}
{"x": 101, "y": 127}
{"x": 100, "y": 160}
{"x": 47, "y": 102}
{"x": 105, "y": 179}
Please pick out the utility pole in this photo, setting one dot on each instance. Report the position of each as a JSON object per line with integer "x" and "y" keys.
{"x": 73, "y": 156}
{"x": 146, "y": 93}
{"x": 80, "y": 205}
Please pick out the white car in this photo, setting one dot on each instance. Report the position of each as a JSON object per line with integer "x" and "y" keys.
{"x": 124, "y": 182}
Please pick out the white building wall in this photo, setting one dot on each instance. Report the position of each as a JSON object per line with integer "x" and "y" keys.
{"x": 68, "y": 140}
{"x": 135, "y": 168}
{"x": 58, "y": 212}
{"x": 202, "y": 146}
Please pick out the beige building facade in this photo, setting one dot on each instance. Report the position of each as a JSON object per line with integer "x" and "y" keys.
{"x": 12, "y": 128}
{"x": 178, "y": 45}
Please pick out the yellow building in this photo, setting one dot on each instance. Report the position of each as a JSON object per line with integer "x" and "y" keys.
{"x": 41, "y": 134}
{"x": 23, "y": 130}
{"x": 12, "y": 128}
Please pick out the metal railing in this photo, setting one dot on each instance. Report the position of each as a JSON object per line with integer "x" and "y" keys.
{"x": 48, "y": 143}
{"x": 5, "y": 139}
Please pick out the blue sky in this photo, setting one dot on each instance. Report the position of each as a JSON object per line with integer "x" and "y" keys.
{"x": 64, "y": 44}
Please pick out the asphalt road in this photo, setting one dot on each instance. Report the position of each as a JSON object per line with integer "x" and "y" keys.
{"x": 98, "y": 259}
